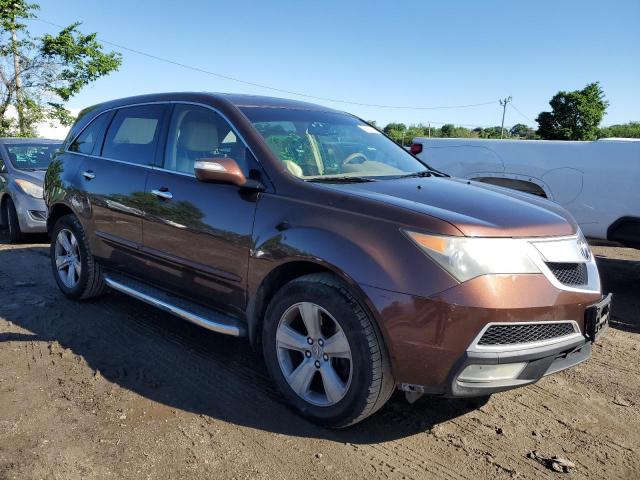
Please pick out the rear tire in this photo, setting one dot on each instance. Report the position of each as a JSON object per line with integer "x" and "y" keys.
{"x": 13, "y": 225}
{"x": 75, "y": 270}
{"x": 341, "y": 386}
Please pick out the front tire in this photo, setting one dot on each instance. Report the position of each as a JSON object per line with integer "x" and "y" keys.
{"x": 13, "y": 225}
{"x": 75, "y": 270}
{"x": 325, "y": 353}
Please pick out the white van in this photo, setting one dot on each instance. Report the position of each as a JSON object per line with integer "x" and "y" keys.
{"x": 598, "y": 182}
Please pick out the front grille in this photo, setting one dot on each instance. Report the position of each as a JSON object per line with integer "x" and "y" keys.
{"x": 524, "y": 333}
{"x": 570, "y": 273}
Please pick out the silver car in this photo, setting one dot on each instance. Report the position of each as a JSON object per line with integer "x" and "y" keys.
{"x": 23, "y": 162}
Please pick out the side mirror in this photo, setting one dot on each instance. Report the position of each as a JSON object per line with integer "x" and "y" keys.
{"x": 223, "y": 170}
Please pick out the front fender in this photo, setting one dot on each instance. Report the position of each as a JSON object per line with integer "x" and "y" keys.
{"x": 338, "y": 253}
{"x": 366, "y": 249}
{"x": 362, "y": 250}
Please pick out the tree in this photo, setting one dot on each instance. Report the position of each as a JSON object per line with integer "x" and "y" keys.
{"x": 38, "y": 75}
{"x": 397, "y": 131}
{"x": 400, "y": 127}
{"x": 520, "y": 130}
{"x": 574, "y": 115}
{"x": 626, "y": 130}
{"x": 447, "y": 130}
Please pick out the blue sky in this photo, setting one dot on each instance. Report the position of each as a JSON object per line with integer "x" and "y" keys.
{"x": 410, "y": 53}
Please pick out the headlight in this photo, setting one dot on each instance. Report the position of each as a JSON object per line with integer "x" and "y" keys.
{"x": 469, "y": 257}
{"x": 30, "y": 189}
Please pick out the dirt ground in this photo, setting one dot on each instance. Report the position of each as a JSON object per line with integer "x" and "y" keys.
{"x": 116, "y": 389}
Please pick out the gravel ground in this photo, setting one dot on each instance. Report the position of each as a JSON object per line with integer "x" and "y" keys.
{"x": 116, "y": 389}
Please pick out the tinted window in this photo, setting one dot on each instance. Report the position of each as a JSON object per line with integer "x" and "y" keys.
{"x": 31, "y": 156}
{"x": 133, "y": 134}
{"x": 91, "y": 136}
{"x": 198, "y": 132}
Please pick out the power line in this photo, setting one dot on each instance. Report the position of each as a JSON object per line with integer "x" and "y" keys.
{"x": 522, "y": 114}
{"x": 274, "y": 89}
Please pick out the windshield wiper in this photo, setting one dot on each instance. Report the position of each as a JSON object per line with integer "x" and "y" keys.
{"x": 344, "y": 179}
{"x": 424, "y": 173}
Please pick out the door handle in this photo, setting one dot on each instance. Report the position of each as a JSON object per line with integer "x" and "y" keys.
{"x": 162, "y": 193}
{"x": 89, "y": 175}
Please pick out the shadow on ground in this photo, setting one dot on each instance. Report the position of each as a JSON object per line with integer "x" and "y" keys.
{"x": 170, "y": 361}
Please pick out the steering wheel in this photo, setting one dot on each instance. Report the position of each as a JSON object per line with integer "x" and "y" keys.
{"x": 350, "y": 159}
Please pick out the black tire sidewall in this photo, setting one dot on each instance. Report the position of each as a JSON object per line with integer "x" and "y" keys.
{"x": 342, "y": 309}
{"x": 70, "y": 222}
{"x": 13, "y": 225}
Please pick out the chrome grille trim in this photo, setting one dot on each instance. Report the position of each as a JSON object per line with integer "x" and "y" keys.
{"x": 524, "y": 333}
{"x": 477, "y": 346}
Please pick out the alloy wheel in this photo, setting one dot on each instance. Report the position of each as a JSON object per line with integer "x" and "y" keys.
{"x": 67, "y": 256}
{"x": 314, "y": 354}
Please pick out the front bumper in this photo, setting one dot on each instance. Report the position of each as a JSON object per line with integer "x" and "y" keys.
{"x": 430, "y": 340}
{"x": 540, "y": 361}
{"x": 32, "y": 212}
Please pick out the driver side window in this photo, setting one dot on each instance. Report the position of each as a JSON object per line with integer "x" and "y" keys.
{"x": 197, "y": 133}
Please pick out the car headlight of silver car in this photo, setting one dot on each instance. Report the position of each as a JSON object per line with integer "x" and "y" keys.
{"x": 468, "y": 257}
{"x": 30, "y": 188}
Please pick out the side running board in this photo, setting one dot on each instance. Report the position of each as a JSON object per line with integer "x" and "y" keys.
{"x": 192, "y": 312}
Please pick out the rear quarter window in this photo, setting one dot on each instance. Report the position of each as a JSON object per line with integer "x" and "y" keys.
{"x": 89, "y": 140}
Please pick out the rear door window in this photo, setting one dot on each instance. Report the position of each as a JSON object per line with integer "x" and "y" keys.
{"x": 133, "y": 134}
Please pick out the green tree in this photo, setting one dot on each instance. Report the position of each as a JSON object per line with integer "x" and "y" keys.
{"x": 38, "y": 75}
{"x": 520, "y": 130}
{"x": 490, "y": 132}
{"x": 574, "y": 115}
{"x": 626, "y": 130}
{"x": 447, "y": 130}
{"x": 397, "y": 131}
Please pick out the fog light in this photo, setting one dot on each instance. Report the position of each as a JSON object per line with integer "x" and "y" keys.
{"x": 38, "y": 215}
{"x": 491, "y": 373}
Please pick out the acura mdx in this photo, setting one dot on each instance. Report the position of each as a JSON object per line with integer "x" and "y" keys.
{"x": 353, "y": 266}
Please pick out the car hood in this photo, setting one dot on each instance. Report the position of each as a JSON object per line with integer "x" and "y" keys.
{"x": 37, "y": 176}
{"x": 476, "y": 209}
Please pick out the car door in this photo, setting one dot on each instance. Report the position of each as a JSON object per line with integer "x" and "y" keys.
{"x": 198, "y": 235}
{"x": 114, "y": 181}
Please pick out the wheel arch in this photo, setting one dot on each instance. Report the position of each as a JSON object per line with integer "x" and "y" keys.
{"x": 55, "y": 212}
{"x": 285, "y": 273}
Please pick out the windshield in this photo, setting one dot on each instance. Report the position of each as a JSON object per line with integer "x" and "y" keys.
{"x": 31, "y": 156}
{"x": 320, "y": 145}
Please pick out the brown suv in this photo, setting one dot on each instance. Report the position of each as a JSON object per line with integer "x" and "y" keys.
{"x": 351, "y": 264}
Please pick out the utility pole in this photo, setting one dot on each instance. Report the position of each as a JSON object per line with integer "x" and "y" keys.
{"x": 429, "y": 129}
{"x": 504, "y": 110}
